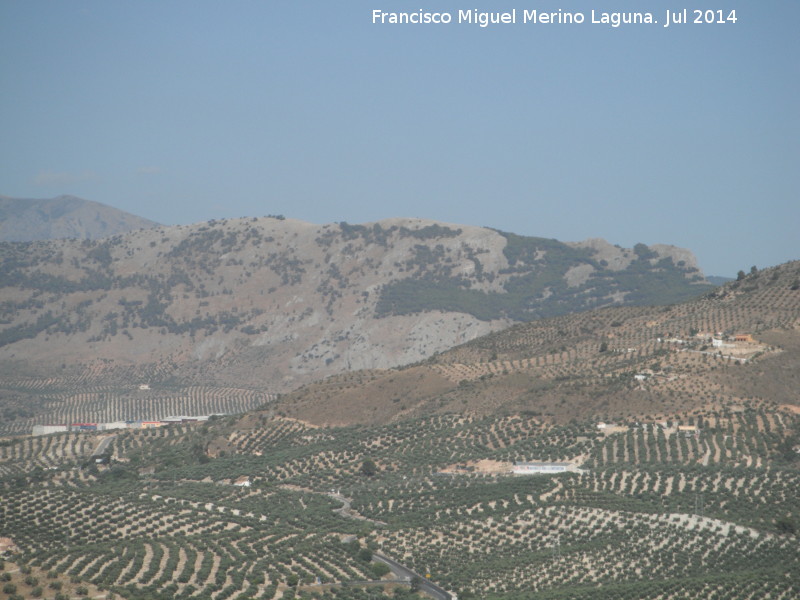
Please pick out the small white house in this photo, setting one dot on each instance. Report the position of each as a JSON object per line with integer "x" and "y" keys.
{"x": 539, "y": 468}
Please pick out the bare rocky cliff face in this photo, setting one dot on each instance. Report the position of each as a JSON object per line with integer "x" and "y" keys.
{"x": 274, "y": 302}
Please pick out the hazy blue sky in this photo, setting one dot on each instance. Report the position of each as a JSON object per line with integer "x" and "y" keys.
{"x": 187, "y": 111}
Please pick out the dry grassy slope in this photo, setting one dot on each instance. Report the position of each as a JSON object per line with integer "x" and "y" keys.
{"x": 267, "y": 302}
{"x": 586, "y": 364}
{"x": 366, "y": 397}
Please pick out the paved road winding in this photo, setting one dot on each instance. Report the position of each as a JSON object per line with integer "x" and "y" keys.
{"x": 403, "y": 572}
{"x": 103, "y": 446}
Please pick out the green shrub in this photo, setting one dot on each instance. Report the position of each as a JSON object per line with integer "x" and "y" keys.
{"x": 379, "y": 569}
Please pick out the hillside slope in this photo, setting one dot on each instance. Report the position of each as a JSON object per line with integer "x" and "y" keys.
{"x": 735, "y": 344}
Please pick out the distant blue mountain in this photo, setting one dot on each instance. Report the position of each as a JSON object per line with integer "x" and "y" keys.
{"x": 26, "y": 220}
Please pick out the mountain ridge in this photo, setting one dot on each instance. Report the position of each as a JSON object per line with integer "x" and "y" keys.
{"x": 268, "y": 303}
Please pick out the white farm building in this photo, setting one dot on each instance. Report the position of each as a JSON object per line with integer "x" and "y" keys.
{"x": 48, "y": 429}
{"x": 540, "y": 468}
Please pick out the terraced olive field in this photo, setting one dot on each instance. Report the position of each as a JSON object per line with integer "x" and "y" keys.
{"x": 93, "y": 397}
{"x": 688, "y": 490}
{"x": 649, "y": 511}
